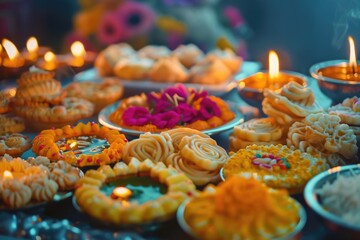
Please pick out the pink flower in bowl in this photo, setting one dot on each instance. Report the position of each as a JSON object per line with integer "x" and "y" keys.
{"x": 166, "y": 120}
{"x": 208, "y": 109}
{"x": 136, "y": 116}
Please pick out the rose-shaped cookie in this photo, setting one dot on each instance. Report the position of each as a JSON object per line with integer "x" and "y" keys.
{"x": 291, "y": 103}
{"x": 259, "y": 131}
{"x": 198, "y": 175}
{"x": 349, "y": 112}
{"x": 177, "y": 135}
{"x": 203, "y": 152}
{"x": 322, "y": 134}
{"x": 156, "y": 147}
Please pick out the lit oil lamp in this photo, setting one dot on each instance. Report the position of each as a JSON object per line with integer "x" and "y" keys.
{"x": 7, "y": 178}
{"x": 14, "y": 59}
{"x": 251, "y": 88}
{"x": 80, "y": 59}
{"x": 33, "y": 50}
{"x": 123, "y": 194}
{"x": 338, "y": 79}
{"x": 49, "y": 62}
{"x": 12, "y": 62}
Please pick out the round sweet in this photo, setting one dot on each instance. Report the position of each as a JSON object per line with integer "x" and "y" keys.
{"x": 107, "y": 59}
{"x": 70, "y": 111}
{"x": 242, "y": 208}
{"x": 293, "y": 102}
{"x": 168, "y": 70}
{"x": 322, "y": 134}
{"x": 177, "y": 135}
{"x": 14, "y": 144}
{"x": 277, "y": 166}
{"x": 155, "y": 147}
{"x": 348, "y": 111}
{"x": 154, "y": 52}
{"x": 55, "y": 144}
{"x": 203, "y": 152}
{"x": 198, "y": 175}
{"x": 259, "y": 131}
{"x": 188, "y": 54}
{"x": 65, "y": 175}
{"x": 34, "y": 77}
{"x": 43, "y": 189}
{"x": 229, "y": 58}
{"x": 133, "y": 68}
{"x": 40, "y": 160}
{"x": 210, "y": 71}
{"x": 16, "y": 194}
{"x": 105, "y": 208}
{"x": 11, "y": 125}
{"x": 100, "y": 94}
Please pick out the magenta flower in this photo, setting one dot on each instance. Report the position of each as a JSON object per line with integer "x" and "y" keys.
{"x": 162, "y": 106}
{"x": 111, "y": 29}
{"x": 202, "y": 94}
{"x": 166, "y": 120}
{"x": 151, "y": 99}
{"x": 137, "y": 18}
{"x": 186, "y": 112}
{"x": 208, "y": 109}
{"x": 136, "y": 116}
{"x": 178, "y": 89}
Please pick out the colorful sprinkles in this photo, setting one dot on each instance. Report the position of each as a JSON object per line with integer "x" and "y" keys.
{"x": 270, "y": 162}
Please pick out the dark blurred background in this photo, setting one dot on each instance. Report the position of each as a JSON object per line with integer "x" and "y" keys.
{"x": 303, "y": 32}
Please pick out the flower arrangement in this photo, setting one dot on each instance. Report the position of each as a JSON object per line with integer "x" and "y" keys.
{"x": 176, "y": 106}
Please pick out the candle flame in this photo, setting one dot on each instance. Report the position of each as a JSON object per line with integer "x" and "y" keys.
{"x": 122, "y": 192}
{"x": 77, "y": 49}
{"x": 10, "y": 49}
{"x": 7, "y": 175}
{"x": 352, "y": 60}
{"x": 49, "y": 57}
{"x": 273, "y": 65}
{"x": 32, "y": 44}
{"x": 73, "y": 144}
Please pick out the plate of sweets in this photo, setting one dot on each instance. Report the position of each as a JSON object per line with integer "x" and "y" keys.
{"x": 153, "y": 68}
{"x": 83, "y": 145}
{"x": 32, "y": 183}
{"x": 174, "y": 107}
{"x": 136, "y": 195}
{"x": 242, "y": 208}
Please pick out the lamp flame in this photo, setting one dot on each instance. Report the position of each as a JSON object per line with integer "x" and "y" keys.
{"x": 73, "y": 145}
{"x": 77, "y": 49}
{"x": 32, "y": 45}
{"x": 10, "y": 49}
{"x": 122, "y": 192}
{"x": 352, "y": 60}
{"x": 49, "y": 57}
{"x": 273, "y": 65}
{"x": 7, "y": 175}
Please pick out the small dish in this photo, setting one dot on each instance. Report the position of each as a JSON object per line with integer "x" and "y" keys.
{"x": 313, "y": 199}
{"x": 60, "y": 196}
{"x": 292, "y": 235}
{"x": 104, "y": 120}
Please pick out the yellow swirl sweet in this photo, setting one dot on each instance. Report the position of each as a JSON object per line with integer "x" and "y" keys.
{"x": 198, "y": 175}
{"x": 177, "y": 135}
{"x": 155, "y": 147}
{"x": 259, "y": 131}
{"x": 293, "y": 102}
{"x": 322, "y": 134}
{"x": 203, "y": 152}
{"x": 241, "y": 208}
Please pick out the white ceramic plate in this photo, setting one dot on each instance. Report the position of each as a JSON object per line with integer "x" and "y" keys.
{"x": 104, "y": 120}
{"x": 145, "y": 85}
